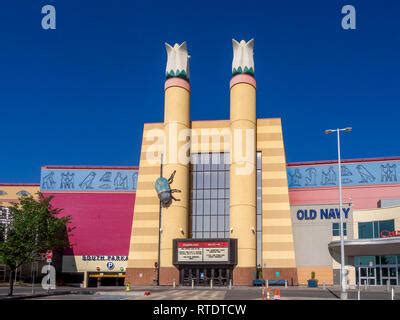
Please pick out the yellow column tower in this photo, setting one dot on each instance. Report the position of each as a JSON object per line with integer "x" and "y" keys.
{"x": 174, "y": 218}
{"x": 243, "y": 161}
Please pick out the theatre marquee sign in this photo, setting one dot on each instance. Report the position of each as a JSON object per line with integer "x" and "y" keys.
{"x": 221, "y": 251}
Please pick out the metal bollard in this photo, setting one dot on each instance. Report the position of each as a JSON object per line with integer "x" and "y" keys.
{"x": 230, "y": 284}
{"x": 285, "y": 283}
{"x": 211, "y": 283}
{"x": 174, "y": 284}
{"x": 192, "y": 283}
{"x": 324, "y": 285}
{"x": 392, "y": 293}
{"x": 267, "y": 284}
{"x": 359, "y": 294}
{"x": 365, "y": 286}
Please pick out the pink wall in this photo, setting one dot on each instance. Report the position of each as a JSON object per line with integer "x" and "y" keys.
{"x": 362, "y": 197}
{"x": 103, "y": 221}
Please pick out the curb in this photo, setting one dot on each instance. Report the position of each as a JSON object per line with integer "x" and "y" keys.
{"x": 41, "y": 295}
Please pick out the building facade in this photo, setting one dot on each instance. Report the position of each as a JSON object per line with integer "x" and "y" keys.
{"x": 232, "y": 182}
{"x": 240, "y": 218}
{"x": 100, "y": 202}
{"x": 371, "y": 193}
{"x": 217, "y": 201}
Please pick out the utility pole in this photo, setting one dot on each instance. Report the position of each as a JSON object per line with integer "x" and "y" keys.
{"x": 343, "y": 293}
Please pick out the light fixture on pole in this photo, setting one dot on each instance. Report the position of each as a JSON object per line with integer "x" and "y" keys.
{"x": 343, "y": 293}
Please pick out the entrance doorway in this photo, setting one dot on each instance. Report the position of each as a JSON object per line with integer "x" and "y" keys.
{"x": 202, "y": 276}
{"x": 378, "y": 275}
{"x": 389, "y": 275}
{"x": 377, "y": 270}
{"x": 367, "y": 275}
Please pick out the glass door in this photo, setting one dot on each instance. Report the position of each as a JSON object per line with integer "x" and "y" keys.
{"x": 371, "y": 276}
{"x": 367, "y": 275}
{"x": 201, "y": 279}
{"x": 389, "y": 275}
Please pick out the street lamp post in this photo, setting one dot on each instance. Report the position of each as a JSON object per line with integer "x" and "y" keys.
{"x": 343, "y": 293}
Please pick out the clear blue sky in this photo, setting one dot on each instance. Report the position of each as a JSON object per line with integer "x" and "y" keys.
{"x": 79, "y": 95}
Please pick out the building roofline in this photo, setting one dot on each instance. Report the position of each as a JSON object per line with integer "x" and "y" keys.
{"x": 304, "y": 163}
{"x": 91, "y": 167}
{"x": 5, "y": 184}
{"x": 214, "y": 120}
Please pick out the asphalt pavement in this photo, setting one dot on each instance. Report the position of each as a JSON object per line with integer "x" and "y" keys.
{"x": 198, "y": 293}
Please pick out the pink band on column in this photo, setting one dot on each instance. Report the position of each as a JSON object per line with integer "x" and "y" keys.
{"x": 243, "y": 78}
{"x": 177, "y": 82}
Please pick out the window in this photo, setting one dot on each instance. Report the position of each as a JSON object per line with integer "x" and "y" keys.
{"x": 385, "y": 225}
{"x": 388, "y": 260}
{"x": 336, "y": 229}
{"x": 373, "y": 229}
{"x": 365, "y": 230}
{"x": 23, "y": 193}
{"x": 209, "y": 212}
{"x": 366, "y": 260}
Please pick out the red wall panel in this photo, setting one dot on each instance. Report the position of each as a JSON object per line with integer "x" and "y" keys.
{"x": 102, "y": 221}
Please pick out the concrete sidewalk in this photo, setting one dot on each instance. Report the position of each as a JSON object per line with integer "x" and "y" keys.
{"x": 25, "y": 291}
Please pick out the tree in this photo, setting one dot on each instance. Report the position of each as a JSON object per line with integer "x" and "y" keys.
{"x": 33, "y": 228}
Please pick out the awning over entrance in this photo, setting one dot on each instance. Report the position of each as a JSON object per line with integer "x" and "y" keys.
{"x": 365, "y": 247}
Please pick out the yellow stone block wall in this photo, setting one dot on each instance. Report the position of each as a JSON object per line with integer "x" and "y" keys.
{"x": 11, "y": 192}
{"x": 278, "y": 245}
{"x": 143, "y": 251}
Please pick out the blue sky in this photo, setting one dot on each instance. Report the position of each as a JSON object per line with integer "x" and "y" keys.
{"x": 79, "y": 95}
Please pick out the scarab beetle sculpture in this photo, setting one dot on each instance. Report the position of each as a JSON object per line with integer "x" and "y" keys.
{"x": 164, "y": 191}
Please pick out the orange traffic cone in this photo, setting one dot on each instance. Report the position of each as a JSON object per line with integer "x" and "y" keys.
{"x": 263, "y": 294}
{"x": 277, "y": 294}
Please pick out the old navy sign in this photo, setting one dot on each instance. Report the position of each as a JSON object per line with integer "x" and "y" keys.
{"x": 322, "y": 213}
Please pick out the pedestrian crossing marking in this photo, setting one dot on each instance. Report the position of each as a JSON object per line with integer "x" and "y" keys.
{"x": 186, "y": 295}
